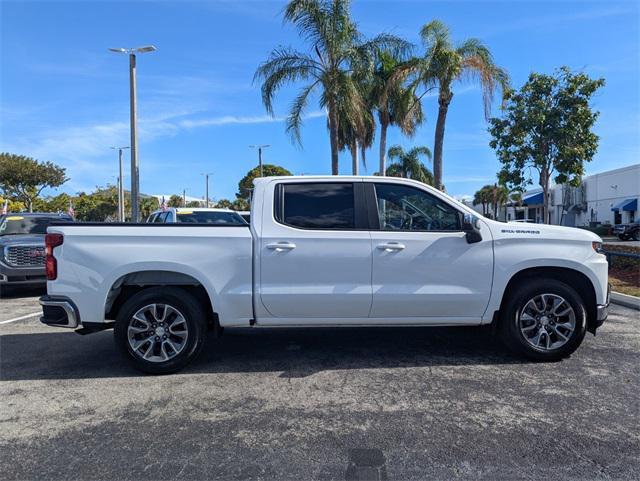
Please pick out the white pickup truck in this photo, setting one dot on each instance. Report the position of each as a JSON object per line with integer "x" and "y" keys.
{"x": 327, "y": 251}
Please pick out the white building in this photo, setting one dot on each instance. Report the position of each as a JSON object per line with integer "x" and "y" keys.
{"x": 610, "y": 197}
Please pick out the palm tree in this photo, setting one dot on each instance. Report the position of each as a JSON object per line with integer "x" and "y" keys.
{"x": 337, "y": 51}
{"x": 484, "y": 197}
{"x": 358, "y": 135}
{"x": 499, "y": 197}
{"x": 395, "y": 103}
{"x": 408, "y": 164}
{"x": 443, "y": 64}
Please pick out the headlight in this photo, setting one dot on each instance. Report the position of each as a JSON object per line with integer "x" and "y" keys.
{"x": 597, "y": 246}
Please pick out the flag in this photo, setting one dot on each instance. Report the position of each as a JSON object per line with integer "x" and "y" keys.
{"x": 71, "y": 211}
{"x": 163, "y": 204}
{"x": 5, "y": 207}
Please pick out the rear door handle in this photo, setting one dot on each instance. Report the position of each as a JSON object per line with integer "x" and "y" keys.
{"x": 281, "y": 246}
{"x": 391, "y": 246}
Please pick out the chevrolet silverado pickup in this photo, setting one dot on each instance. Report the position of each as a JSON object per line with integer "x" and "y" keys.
{"x": 327, "y": 251}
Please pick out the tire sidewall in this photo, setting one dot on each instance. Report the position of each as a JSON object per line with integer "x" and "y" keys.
{"x": 514, "y": 338}
{"x": 180, "y": 300}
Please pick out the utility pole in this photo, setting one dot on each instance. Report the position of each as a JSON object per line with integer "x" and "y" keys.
{"x": 135, "y": 168}
{"x": 184, "y": 197}
{"x": 120, "y": 184}
{"x": 260, "y": 147}
{"x": 206, "y": 177}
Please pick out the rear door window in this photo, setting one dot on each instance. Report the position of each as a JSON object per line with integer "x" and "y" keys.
{"x": 317, "y": 205}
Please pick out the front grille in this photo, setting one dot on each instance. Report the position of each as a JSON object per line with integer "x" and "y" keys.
{"x": 25, "y": 256}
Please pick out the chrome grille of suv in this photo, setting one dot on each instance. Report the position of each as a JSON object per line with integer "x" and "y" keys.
{"x": 25, "y": 256}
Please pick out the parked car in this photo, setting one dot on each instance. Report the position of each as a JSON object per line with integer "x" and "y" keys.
{"x": 22, "y": 253}
{"x": 327, "y": 251}
{"x": 187, "y": 215}
{"x": 627, "y": 231}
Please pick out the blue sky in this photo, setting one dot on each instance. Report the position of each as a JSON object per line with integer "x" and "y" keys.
{"x": 65, "y": 97}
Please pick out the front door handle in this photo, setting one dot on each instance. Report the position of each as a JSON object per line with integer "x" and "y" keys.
{"x": 391, "y": 246}
{"x": 281, "y": 246}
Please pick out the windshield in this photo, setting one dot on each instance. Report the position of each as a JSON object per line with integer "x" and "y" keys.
{"x": 208, "y": 217}
{"x": 18, "y": 224}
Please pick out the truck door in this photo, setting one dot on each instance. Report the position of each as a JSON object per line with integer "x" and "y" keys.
{"x": 315, "y": 251}
{"x": 422, "y": 264}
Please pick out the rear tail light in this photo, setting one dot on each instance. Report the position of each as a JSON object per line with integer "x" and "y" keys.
{"x": 51, "y": 241}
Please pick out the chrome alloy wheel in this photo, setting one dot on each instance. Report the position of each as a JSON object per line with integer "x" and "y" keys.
{"x": 547, "y": 322}
{"x": 157, "y": 332}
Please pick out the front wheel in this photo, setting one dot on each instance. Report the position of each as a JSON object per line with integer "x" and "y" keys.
{"x": 161, "y": 329}
{"x": 544, "y": 319}
{"x": 622, "y": 237}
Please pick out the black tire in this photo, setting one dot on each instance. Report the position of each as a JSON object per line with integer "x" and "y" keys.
{"x": 509, "y": 328}
{"x": 636, "y": 235}
{"x": 190, "y": 309}
{"x": 623, "y": 237}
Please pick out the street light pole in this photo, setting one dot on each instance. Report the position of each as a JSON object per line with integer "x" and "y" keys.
{"x": 120, "y": 184}
{"x": 206, "y": 177}
{"x": 260, "y": 147}
{"x": 135, "y": 168}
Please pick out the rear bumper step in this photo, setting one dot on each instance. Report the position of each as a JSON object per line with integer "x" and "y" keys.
{"x": 59, "y": 312}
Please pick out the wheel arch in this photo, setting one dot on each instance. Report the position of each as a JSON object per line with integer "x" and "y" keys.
{"x": 129, "y": 284}
{"x": 577, "y": 280}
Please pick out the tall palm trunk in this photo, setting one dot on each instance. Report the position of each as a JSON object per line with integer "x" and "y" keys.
{"x": 354, "y": 157}
{"x": 383, "y": 146}
{"x": 333, "y": 136}
{"x": 443, "y": 107}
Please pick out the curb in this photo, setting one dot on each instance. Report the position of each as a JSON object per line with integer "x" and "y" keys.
{"x": 625, "y": 300}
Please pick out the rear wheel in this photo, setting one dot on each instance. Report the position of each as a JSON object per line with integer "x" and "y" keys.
{"x": 636, "y": 235}
{"x": 544, "y": 319}
{"x": 161, "y": 329}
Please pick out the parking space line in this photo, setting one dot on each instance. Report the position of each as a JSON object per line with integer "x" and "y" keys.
{"x": 33, "y": 314}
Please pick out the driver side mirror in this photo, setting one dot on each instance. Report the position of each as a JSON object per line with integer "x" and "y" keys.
{"x": 471, "y": 227}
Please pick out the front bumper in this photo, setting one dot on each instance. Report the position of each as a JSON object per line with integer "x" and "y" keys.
{"x": 59, "y": 312}
{"x": 602, "y": 311}
{"x": 22, "y": 275}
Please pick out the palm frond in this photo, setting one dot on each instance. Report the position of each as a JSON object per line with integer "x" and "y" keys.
{"x": 295, "y": 118}
{"x": 435, "y": 33}
{"x": 284, "y": 65}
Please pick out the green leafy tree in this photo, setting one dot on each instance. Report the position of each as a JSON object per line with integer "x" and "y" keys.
{"x": 444, "y": 64}
{"x": 408, "y": 164}
{"x": 245, "y": 186}
{"x": 224, "y": 204}
{"x": 58, "y": 203}
{"x": 337, "y": 51}
{"x": 98, "y": 206}
{"x": 147, "y": 206}
{"x": 546, "y": 128}
{"x": 12, "y": 205}
{"x": 240, "y": 204}
{"x": 24, "y": 178}
{"x": 175, "y": 201}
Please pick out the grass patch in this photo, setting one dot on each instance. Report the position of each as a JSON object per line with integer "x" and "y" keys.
{"x": 624, "y": 273}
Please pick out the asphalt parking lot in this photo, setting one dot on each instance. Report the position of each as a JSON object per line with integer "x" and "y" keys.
{"x": 326, "y": 404}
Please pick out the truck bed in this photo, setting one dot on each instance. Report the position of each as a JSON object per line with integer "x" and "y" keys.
{"x": 97, "y": 258}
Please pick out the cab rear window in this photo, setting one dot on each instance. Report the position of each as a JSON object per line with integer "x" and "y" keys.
{"x": 203, "y": 217}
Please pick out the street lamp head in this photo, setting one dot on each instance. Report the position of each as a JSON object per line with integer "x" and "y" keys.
{"x": 146, "y": 48}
